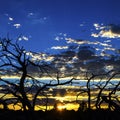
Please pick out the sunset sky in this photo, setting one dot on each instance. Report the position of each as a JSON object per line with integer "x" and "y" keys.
{"x": 48, "y": 25}
{"x": 85, "y": 33}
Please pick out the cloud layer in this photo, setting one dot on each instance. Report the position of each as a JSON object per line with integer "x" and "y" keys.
{"x": 109, "y": 31}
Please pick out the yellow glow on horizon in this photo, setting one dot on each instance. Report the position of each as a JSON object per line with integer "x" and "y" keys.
{"x": 72, "y": 106}
{"x": 69, "y": 97}
{"x": 43, "y": 107}
{"x": 60, "y": 106}
{"x": 15, "y": 107}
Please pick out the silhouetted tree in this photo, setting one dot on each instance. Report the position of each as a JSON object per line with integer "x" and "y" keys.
{"x": 16, "y": 61}
{"x": 30, "y": 66}
{"x": 111, "y": 95}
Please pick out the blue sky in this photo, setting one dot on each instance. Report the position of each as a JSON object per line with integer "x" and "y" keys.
{"x": 46, "y": 24}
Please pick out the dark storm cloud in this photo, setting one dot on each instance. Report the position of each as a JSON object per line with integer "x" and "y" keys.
{"x": 115, "y": 28}
{"x": 107, "y": 31}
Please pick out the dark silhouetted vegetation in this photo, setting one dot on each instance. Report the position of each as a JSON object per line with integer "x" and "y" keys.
{"x": 60, "y": 115}
{"x": 76, "y": 64}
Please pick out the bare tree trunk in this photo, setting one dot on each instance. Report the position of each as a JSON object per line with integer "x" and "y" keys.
{"x": 89, "y": 94}
{"x": 25, "y": 102}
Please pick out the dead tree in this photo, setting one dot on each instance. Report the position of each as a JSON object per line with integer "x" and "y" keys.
{"x": 111, "y": 103}
{"x": 16, "y": 61}
{"x": 102, "y": 87}
{"x": 89, "y": 89}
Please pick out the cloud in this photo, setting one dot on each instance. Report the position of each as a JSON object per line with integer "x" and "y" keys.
{"x": 107, "y": 34}
{"x": 70, "y": 40}
{"x": 82, "y": 42}
{"x": 108, "y": 67}
{"x": 41, "y": 56}
{"x": 30, "y": 14}
{"x": 17, "y": 25}
{"x": 59, "y": 47}
{"x": 81, "y": 25}
{"x": 23, "y": 38}
{"x": 104, "y": 44}
{"x": 115, "y": 28}
{"x": 35, "y": 18}
{"x": 60, "y": 36}
{"x": 109, "y": 31}
{"x": 95, "y": 35}
{"x": 104, "y": 54}
{"x": 107, "y": 41}
{"x": 39, "y": 20}
{"x": 57, "y": 38}
{"x": 10, "y": 18}
{"x": 109, "y": 48}
{"x": 98, "y": 26}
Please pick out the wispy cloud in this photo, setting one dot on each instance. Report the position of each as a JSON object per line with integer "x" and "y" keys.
{"x": 41, "y": 56}
{"x": 109, "y": 48}
{"x": 82, "y": 42}
{"x": 30, "y": 14}
{"x": 59, "y": 47}
{"x": 23, "y": 38}
{"x": 60, "y": 36}
{"x": 104, "y": 54}
{"x": 98, "y": 26}
{"x": 36, "y": 18}
{"x": 107, "y": 41}
{"x": 39, "y": 20}
{"x": 17, "y": 25}
{"x": 12, "y": 21}
{"x": 81, "y": 25}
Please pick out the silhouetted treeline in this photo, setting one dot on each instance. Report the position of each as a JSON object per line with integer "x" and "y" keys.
{"x": 60, "y": 115}
{"x": 29, "y": 67}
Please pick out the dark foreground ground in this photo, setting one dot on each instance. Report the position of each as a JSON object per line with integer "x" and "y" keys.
{"x": 63, "y": 115}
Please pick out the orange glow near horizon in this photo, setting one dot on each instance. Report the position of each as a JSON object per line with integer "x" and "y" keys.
{"x": 60, "y": 106}
{"x": 68, "y": 99}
